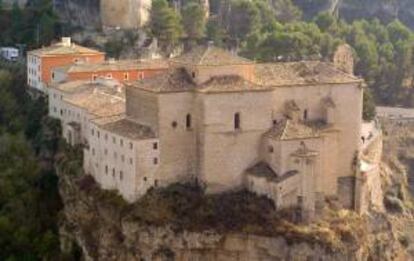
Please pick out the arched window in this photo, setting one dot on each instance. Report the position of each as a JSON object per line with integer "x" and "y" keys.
{"x": 237, "y": 121}
{"x": 188, "y": 121}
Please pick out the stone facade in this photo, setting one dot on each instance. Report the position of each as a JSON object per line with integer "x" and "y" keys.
{"x": 290, "y": 131}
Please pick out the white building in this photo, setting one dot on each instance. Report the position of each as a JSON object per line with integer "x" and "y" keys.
{"x": 9, "y": 53}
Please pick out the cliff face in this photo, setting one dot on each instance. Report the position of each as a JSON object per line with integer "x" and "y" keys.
{"x": 103, "y": 227}
{"x": 83, "y": 13}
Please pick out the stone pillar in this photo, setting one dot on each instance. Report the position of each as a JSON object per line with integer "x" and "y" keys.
{"x": 305, "y": 160}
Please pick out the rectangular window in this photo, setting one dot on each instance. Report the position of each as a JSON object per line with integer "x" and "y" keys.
{"x": 155, "y": 145}
{"x": 155, "y": 161}
{"x": 106, "y": 169}
{"x": 121, "y": 142}
{"x": 237, "y": 121}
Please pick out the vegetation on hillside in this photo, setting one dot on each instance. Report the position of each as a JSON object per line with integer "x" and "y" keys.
{"x": 33, "y": 26}
{"x": 383, "y": 52}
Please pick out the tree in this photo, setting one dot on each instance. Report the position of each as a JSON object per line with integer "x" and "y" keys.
{"x": 242, "y": 20}
{"x": 194, "y": 21}
{"x": 165, "y": 25}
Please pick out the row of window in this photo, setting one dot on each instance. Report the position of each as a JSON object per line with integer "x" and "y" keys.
{"x": 119, "y": 141}
{"x": 126, "y": 76}
{"x": 115, "y": 155}
{"x": 33, "y": 71}
{"x": 120, "y": 174}
{"x": 188, "y": 122}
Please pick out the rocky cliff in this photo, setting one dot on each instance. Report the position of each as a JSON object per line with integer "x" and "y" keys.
{"x": 83, "y": 13}
{"x": 182, "y": 224}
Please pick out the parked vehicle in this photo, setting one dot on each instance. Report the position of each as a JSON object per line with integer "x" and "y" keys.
{"x": 9, "y": 53}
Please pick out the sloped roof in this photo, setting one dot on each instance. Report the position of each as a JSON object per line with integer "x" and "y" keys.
{"x": 62, "y": 49}
{"x": 263, "y": 170}
{"x": 122, "y": 126}
{"x": 73, "y": 86}
{"x": 289, "y": 130}
{"x": 101, "y": 103}
{"x": 121, "y": 65}
{"x": 301, "y": 73}
{"x": 230, "y": 83}
{"x": 174, "y": 80}
{"x": 210, "y": 56}
{"x": 177, "y": 80}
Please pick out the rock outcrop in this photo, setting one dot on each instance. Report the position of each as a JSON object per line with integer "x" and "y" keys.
{"x": 102, "y": 225}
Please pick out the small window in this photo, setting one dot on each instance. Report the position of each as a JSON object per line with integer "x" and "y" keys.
{"x": 131, "y": 146}
{"x": 305, "y": 115}
{"x": 121, "y": 142}
{"x": 155, "y": 145}
{"x": 155, "y": 161}
{"x": 113, "y": 140}
{"x": 237, "y": 121}
{"x": 106, "y": 169}
{"x": 188, "y": 121}
{"x": 271, "y": 149}
{"x": 121, "y": 175}
{"x": 113, "y": 173}
{"x": 156, "y": 183}
{"x": 93, "y": 132}
{"x": 145, "y": 179}
{"x": 126, "y": 76}
{"x": 274, "y": 122}
{"x": 174, "y": 124}
{"x": 98, "y": 134}
{"x": 94, "y": 77}
{"x": 193, "y": 74}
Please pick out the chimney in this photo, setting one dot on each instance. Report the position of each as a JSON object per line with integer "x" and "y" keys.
{"x": 66, "y": 41}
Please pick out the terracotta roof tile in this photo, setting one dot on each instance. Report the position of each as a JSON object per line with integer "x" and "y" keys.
{"x": 125, "y": 127}
{"x": 121, "y": 65}
{"x": 301, "y": 73}
{"x": 210, "y": 56}
{"x": 288, "y": 130}
{"x": 61, "y": 49}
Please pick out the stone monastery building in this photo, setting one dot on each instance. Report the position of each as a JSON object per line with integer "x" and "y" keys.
{"x": 289, "y": 131}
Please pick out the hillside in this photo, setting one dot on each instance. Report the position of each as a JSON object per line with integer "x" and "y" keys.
{"x": 351, "y": 10}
